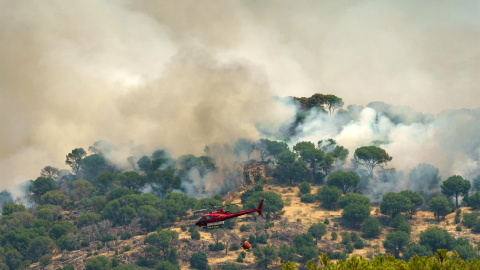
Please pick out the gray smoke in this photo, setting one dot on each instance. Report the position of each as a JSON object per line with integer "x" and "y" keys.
{"x": 185, "y": 74}
{"x": 449, "y": 141}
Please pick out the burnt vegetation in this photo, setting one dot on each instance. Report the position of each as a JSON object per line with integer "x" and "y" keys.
{"x": 101, "y": 216}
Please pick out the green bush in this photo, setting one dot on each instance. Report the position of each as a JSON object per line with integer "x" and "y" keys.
{"x": 244, "y": 227}
{"x": 308, "y": 198}
{"x": 359, "y": 244}
{"x": 334, "y": 235}
{"x": 304, "y": 188}
{"x": 126, "y": 235}
{"x": 85, "y": 243}
{"x": 326, "y": 221}
{"x": 346, "y": 237}
{"x": 349, "y": 247}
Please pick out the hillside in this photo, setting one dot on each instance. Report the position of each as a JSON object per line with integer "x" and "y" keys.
{"x": 296, "y": 219}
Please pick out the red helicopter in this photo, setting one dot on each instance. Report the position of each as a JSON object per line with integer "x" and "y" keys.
{"x": 217, "y": 218}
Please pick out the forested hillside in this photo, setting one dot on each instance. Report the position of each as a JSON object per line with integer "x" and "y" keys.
{"x": 324, "y": 204}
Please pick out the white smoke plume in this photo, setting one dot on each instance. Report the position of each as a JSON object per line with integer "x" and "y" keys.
{"x": 184, "y": 74}
{"x": 449, "y": 141}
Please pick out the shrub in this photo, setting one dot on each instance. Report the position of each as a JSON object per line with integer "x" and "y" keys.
{"x": 108, "y": 238}
{"x": 346, "y": 238}
{"x": 195, "y": 235}
{"x": 262, "y": 239}
{"x": 240, "y": 258}
{"x": 371, "y": 227}
{"x": 126, "y": 248}
{"x": 334, "y": 236}
{"x": 244, "y": 227}
{"x": 304, "y": 188}
{"x": 234, "y": 247}
{"x": 183, "y": 228}
{"x": 126, "y": 235}
{"x": 308, "y": 198}
{"x": 85, "y": 243}
{"x": 326, "y": 221}
{"x": 353, "y": 236}
{"x": 469, "y": 219}
{"x": 230, "y": 266}
{"x": 457, "y": 219}
{"x": 359, "y": 244}
{"x": 349, "y": 248}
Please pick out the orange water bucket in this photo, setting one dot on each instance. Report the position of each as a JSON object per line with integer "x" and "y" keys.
{"x": 246, "y": 245}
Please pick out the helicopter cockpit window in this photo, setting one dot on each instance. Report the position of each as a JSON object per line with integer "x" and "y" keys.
{"x": 201, "y": 219}
{"x": 209, "y": 217}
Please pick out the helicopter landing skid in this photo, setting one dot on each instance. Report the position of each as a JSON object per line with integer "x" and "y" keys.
{"x": 215, "y": 225}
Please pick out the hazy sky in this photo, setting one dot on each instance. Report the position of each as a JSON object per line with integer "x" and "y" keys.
{"x": 184, "y": 74}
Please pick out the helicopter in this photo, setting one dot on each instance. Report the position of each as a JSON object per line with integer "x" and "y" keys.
{"x": 217, "y": 218}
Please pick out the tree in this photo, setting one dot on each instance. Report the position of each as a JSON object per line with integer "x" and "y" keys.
{"x": 199, "y": 261}
{"x": 39, "y": 247}
{"x": 275, "y": 148}
{"x": 416, "y": 249}
{"x": 425, "y": 179}
{"x": 353, "y": 198}
{"x": 59, "y": 229}
{"x": 40, "y": 186}
{"x": 332, "y": 103}
{"x": 244, "y": 146}
{"x": 289, "y": 169}
{"x": 88, "y": 219}
{"x": 55, "y": 197}
{"x": 436, "y": 238}
{"x": 272, "y": 205}
{"x": 317, "y": 230}
{"x": 440, "y": 206}
{"x": 455, "y": 186}
{"x": 230, "y": 266}
{"x": 163, "y": 181}
{"x": 74, "y": 159}
{"x": 10, "y": 208}
{"x": 286, "y": 253}
{"x": 370, "y": 157}
{"x": 264, "y": 255}
{"x": 164, "y": 265}
{"x": 105, "y": 181}
{"x": 49, "y": 172}
{"x": 329, "y": 196}
{"x": 356, "y": 213}
{"x": 415, "y": 198}
{"x": 311, "y": 155}
{"x": 81, "y": 189}
{"x": 151, "y": 217}
{"x": 394, "y": 203}
{"x": 371, "y": 227}
{"x": 395, "y": 242}
{"x": 305, "y": 246}
{"x": 343, "y": 180}
{"x": 304, "y": 188}
{"x": 98, "y": 263}
{"x": 472, "y": 201}
{"x": 131, "y": 180}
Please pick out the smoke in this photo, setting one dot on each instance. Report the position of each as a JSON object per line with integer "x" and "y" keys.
{"x": 449, "y": 142}
{"x": 184, "y": 74}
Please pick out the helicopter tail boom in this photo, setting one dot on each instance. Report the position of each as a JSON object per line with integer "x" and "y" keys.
{"x": 260, "y": 207}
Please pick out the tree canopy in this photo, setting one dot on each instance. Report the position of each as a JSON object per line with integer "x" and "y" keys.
{"x": 455, "y": 186}
{"x": 370, "y": 157}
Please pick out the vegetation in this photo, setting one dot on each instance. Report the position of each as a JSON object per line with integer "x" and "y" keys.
{"x": 98, "y": 208}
